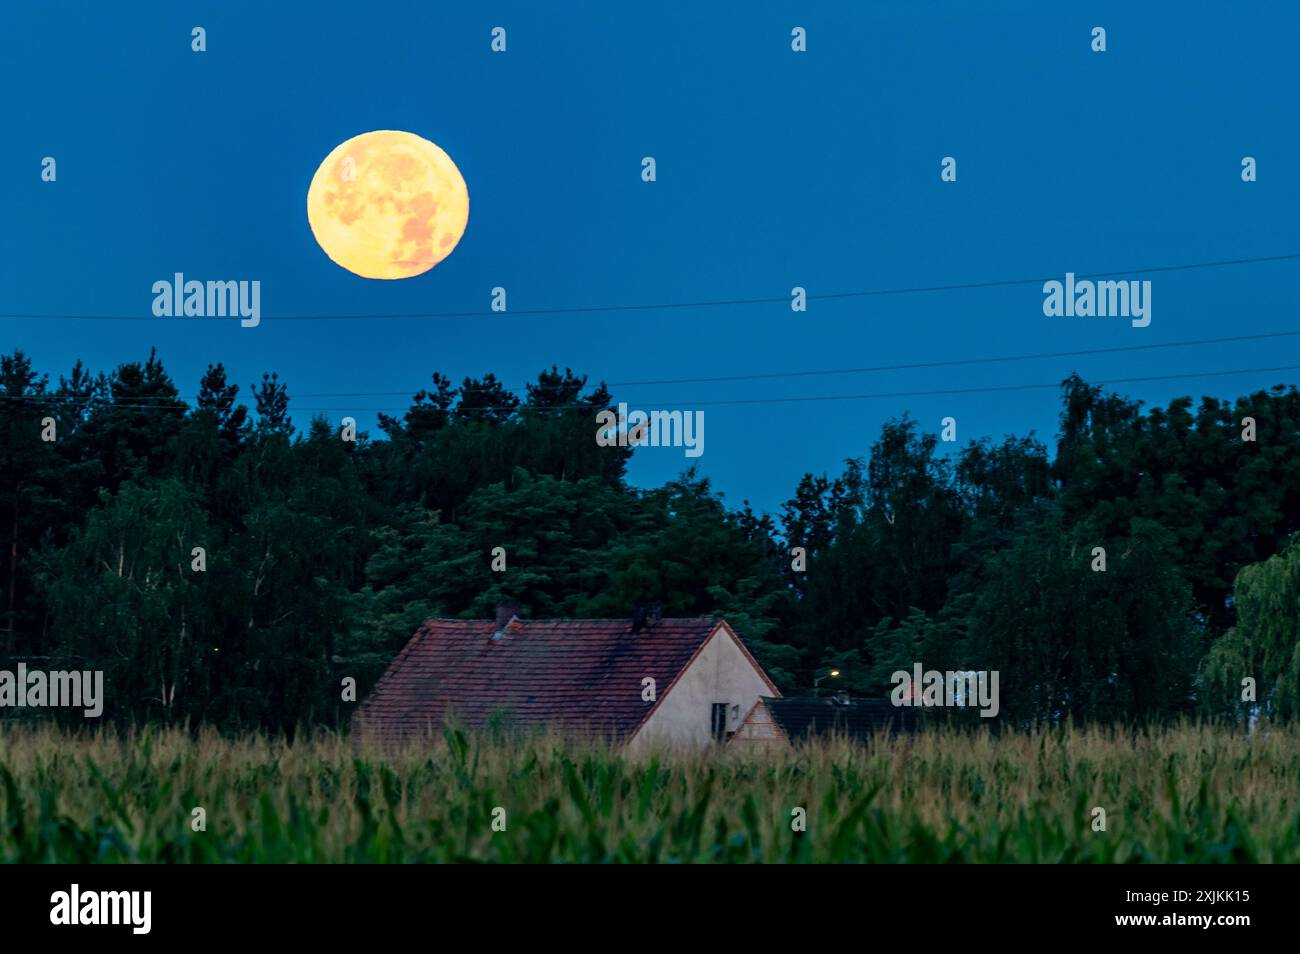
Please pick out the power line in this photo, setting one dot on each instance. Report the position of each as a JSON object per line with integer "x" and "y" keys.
{"x": 912, "y": 366}
{"x": 785, "y": 400}
{"x": 773, "y": 375}
{"x": 1001, "y": 387}
{"x": 708, "y": 303}
{"x": 955, "y": 362}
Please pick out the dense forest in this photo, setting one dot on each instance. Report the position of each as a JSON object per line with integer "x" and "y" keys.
{"x": 320, "y": 556}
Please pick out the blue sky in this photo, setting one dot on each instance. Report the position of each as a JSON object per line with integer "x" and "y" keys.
{"x": 775, "y": 169}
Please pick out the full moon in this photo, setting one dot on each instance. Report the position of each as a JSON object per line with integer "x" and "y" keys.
{"x": 387, "y": 204}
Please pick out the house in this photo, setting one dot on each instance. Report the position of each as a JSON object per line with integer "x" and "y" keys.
{"x": 644, "y": 681}
{"x": 783, "y": 721}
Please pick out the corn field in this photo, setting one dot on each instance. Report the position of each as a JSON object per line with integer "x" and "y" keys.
{"x": 1184, "y": 794}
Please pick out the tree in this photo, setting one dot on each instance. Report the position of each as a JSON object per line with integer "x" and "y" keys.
{"x": 429, "y": 413}
{"x": 29, "y": 468}
{"x": 1072, "y": 640}
{"x": 125, "y": 599}
{"x": 272, "y": 399}
{"x": 211, "y": 437}
{"x": 1264, "y": 645}
{"x": 1228, "y": 501}
{"x": 216, "y": 401}
{"x": 485, "y": 401}
{"x": 132, "y": 433}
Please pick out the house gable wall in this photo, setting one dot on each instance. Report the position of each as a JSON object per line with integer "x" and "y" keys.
{"x": 722, "y": 671}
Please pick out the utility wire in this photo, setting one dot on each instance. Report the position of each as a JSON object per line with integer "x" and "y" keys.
{"x": 752, "y": 401}
{"x": 774, "y": 375}
{"x": 712, "y": 303}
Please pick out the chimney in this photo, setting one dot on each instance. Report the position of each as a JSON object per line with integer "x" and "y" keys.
{"x": 644, "y": 615}
{"x": 506, "y": 611}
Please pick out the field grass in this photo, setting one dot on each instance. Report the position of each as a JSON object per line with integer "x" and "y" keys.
{"x": 1186, "y": 794}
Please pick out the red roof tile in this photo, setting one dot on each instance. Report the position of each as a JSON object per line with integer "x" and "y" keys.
{"x": 582, "y": 675}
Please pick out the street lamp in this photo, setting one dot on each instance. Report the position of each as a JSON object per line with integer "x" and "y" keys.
{"x": 828, "y": 674}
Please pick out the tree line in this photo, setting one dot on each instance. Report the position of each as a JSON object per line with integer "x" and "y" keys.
{"x": 321, "y": 556}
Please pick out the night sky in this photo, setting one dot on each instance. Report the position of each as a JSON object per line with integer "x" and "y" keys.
{"x": 775, "y": 169}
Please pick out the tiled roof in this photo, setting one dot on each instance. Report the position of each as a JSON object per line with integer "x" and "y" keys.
{"x": 804, "y": 716}
{"x": 582, "y": 675}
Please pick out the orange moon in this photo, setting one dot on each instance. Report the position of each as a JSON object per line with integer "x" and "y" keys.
{"x": 387, "y": 204}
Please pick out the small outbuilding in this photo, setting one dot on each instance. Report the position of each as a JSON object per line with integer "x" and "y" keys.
{"x": 781, "y": 721}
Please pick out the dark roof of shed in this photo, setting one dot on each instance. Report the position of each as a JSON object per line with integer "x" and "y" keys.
{"x": 803, "y": 716}
{"x": 583, "y": 675}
